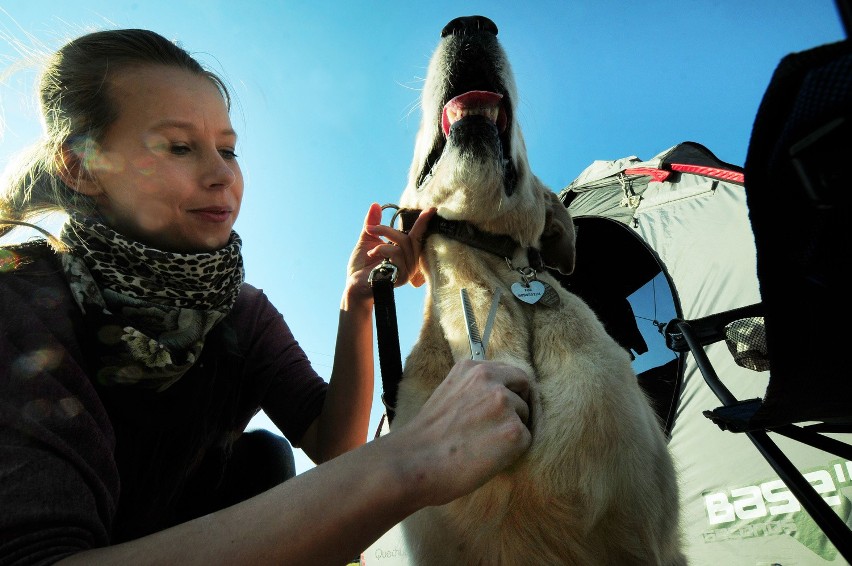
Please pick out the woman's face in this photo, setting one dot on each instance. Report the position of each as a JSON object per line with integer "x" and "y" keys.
{"x": 165, "y": 173}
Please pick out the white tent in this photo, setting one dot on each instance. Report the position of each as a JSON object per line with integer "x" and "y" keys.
{"x": 689, "y": 211}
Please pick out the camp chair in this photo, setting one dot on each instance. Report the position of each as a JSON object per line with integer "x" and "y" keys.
{"x": 795, "y": 169}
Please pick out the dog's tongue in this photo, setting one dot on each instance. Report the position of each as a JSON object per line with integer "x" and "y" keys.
{"x": 479, "y": 102}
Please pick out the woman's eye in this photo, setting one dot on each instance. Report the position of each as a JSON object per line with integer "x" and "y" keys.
{"x": 179, "y": 149}
{"x": 227, "y": 154}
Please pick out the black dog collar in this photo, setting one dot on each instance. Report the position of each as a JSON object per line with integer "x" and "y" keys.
{"x": 498, "y": 244}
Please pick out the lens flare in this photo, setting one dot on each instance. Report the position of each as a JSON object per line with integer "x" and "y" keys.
{"x": 9, "y": 260}
{"x": 94, "y": 158}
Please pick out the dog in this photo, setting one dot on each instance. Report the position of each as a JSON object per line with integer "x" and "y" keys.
{"x": 597, "y": 485}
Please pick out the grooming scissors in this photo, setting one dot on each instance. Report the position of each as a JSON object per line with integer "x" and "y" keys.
{"x": 478, "y": 342}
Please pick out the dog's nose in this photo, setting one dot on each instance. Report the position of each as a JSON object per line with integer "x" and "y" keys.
{"x": 469, "y": 24}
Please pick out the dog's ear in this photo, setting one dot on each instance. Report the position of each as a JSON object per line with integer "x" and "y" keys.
{"x": 558, "y": 239}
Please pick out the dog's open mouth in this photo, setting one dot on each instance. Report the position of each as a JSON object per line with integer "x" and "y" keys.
{"x": 469, "y": 94}
{"x": 474, "y": 103}
{"x": 492, "y": 111}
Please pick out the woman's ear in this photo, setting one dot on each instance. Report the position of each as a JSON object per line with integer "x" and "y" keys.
{"x": 74, "y": 174}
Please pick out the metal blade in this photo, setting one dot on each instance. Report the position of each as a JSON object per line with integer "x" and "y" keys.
{"x": 476, "y": 350}
{"x": 489, "y": 322}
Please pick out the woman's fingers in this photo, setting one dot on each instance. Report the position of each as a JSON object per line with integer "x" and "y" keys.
{"x": 418, "y": 231}
{"x": 374, "y": 215}
{"x": 509, "y": 379}
{"x": 417, "y": 235}
{"x": 402, "y": 249}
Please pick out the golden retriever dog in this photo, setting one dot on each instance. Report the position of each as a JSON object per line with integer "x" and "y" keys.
{"x": 597, "y": 485}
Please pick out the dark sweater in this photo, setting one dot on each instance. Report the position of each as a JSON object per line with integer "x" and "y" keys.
{"x": 84, "y": 464}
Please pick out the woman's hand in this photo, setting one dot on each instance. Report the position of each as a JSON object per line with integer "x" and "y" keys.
{"x": 473, "y": 426}
{"x": 378, "y": 242}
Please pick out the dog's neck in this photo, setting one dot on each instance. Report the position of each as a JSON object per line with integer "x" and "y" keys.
{"x": 498, "y": 244}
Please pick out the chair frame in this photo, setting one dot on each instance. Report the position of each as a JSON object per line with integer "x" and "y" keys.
{"x": 734, "y": 416}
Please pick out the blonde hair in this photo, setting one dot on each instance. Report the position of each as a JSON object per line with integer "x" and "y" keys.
{"x": 76, "y": 109}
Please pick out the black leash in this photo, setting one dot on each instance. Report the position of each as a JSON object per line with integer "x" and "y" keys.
{"x": 382, "y": 279}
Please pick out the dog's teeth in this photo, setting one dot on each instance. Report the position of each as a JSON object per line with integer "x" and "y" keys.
{"x": 473, "y": 103}
{"x": 456, "y": 114}
{"x": 490, "y": 113}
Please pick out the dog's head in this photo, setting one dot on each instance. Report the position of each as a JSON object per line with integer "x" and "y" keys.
{"x": 470, "y": 160}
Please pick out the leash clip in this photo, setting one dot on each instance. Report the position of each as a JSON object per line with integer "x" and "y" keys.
{"x": 385, "y": 271}
{"x": 527, "y": 273}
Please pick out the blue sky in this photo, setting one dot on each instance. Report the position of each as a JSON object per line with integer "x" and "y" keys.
{"x": 326, "y": 104}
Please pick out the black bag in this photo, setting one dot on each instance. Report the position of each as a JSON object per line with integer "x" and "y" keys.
{"x": 795, "y": 176}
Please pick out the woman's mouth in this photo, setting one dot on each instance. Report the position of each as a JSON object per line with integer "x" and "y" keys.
{"x": 213, "y": 214}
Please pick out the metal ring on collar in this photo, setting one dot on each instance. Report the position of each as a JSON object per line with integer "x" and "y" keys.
{"x": 395, "y": 214}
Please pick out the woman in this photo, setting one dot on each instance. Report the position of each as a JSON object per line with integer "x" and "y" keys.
{"x": 133, "y": 354}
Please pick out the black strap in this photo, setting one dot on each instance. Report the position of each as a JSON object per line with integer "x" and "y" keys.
{"x": 382, "y": 280}
{"x": 500, "y": 245}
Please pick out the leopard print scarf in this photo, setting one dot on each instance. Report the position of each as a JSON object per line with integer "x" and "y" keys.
{"x": 150, "y": 309}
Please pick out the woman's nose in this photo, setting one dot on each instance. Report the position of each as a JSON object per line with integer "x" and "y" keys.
{"x": 218, "y": 173}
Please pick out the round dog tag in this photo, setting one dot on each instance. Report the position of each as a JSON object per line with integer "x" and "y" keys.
{"x": 530, "y": 293}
